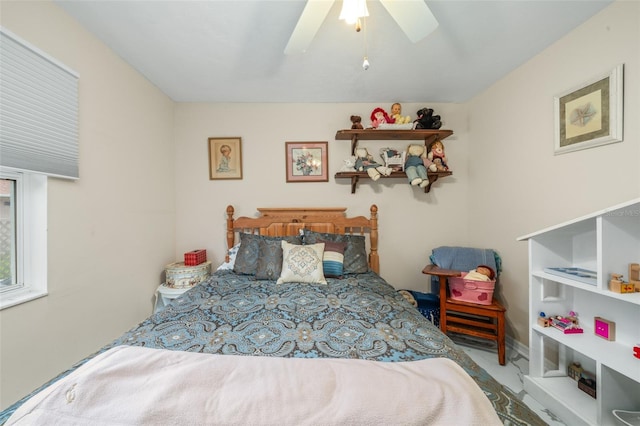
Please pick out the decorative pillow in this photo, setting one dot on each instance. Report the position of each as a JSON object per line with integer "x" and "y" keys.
{"x": 249, "y": 251}
{"x": 302, "y": 264}
{"x": 355, "y": 255}
{"x": 333, "y": 258}
{"x": 228, "y": 266}
{"x": 269, "y": 260}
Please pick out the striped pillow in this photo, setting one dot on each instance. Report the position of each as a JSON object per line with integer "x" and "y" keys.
{"x": 355, "y": 255}
{"x": 333, "y": 258}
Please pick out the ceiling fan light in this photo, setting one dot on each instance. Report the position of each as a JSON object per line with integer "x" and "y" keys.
{"x": 352, "y": 10}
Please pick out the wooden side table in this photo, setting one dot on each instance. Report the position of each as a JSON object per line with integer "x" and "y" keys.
{"x": 485, "y": 321}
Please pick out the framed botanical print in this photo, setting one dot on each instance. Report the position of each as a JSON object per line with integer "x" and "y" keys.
{"x": 307, "y": 161}
{"x": 591, "y": 114}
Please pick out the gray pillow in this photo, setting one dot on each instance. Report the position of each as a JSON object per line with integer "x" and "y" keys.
{"x": 355, "y": 254}
{"x": 269, "y": 259}
{"x": 249, "y": 252}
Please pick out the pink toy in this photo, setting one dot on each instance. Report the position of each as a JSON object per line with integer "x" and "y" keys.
{"x": 568, "y": 325}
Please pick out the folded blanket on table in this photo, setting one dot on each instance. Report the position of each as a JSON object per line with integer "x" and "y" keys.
{"x": 464, "y": 259}
{"x": 143, "y": 386}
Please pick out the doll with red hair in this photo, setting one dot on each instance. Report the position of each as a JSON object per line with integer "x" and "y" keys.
{"x": 379, "y": 116}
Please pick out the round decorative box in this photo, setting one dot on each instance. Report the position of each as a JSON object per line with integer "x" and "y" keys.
{"x": 181, "y": 276}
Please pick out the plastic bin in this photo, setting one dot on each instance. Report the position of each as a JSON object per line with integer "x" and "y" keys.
{"x": 472, "y": 291}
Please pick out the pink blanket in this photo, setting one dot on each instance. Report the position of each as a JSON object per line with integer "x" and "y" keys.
{"x": 142, "y": 386}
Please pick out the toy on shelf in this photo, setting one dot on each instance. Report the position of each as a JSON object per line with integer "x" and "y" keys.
{"x": 574, "y": 370}
{"x": 417, "y": 165}
{"x": 634, "y": 275}
{"x": 573, "y": 317}
{"x": 617, "y": 285}
{"x": 393, "y": 158}
{"x": 349, "y": 165}
{"x": 543, "y": 320}
{"x": 356, "y": 122}
{"x": 566, "y": 324}
{"x": 587, "y": 384}
{"x": 427, "y": 120}
{"x": 604, "y": 328}
{"x": 379, "y": 116}
{"x": 437, "y": 157}
{"x": 396, "y": 114}
{"x": 365, "y": 162}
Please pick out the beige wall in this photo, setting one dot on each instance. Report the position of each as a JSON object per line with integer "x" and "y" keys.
{"x": 506, "y": 182}
{"x": 514, "y": 168}
{"x": 111, "y": 232}
{"x": 411, "y": 222}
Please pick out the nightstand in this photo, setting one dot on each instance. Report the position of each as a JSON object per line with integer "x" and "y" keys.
{"x": 485, "y": 321}
{"x": 164, "y": 295}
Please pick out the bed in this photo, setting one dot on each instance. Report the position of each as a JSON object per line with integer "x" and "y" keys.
{"x": 297, "y": 326}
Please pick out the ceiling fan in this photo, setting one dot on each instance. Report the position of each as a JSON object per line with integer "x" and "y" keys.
{"x": 413, "y": 16}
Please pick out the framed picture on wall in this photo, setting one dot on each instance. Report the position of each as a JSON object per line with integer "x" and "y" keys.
{"x": 225, "y": 158}
{"x": 307, "y": 161}
{"x": 591, "y": 114}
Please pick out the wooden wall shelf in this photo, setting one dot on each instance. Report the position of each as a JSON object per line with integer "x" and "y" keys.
{"x": 428, "y": 136}
{"x": 355, "y": 177}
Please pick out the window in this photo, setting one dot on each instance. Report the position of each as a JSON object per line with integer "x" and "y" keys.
{"x": 38, "y": 138}
{"x": 38, "y": 110}
{"x": 8, "y": 235}
{"x": 23, "y": 237}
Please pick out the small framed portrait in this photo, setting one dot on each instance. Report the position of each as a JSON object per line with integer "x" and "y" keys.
{"x": 225, "y": 158}
{"x": 307, "y": 161}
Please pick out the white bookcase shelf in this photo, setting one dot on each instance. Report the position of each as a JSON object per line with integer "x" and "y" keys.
{"x": 605, "y": 242}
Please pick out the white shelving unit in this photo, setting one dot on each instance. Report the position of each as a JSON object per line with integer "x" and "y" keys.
{"x": 605, "y": 242}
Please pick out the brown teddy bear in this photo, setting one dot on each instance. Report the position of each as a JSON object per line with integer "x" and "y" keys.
{"x": 356, "y": 121}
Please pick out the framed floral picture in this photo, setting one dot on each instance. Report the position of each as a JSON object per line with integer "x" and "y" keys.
{"x": 225, "y": 158}
{"x": 591, "y": 114}
{"x": 307, "y": 161}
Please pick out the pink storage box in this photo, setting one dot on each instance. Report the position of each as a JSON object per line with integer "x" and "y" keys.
{"x": 480, "y": 292}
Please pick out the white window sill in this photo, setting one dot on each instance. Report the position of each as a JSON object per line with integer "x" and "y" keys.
{"x": 10, "y": 299}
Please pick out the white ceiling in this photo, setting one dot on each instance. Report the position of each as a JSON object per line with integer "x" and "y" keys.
{"x": 233, "y": 51}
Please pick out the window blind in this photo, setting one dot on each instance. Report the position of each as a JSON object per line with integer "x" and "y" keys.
{"x": 38, "y": 111}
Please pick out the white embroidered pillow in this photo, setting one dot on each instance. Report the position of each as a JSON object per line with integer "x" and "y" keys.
{"x": 228, "y": 266}
{"x": 302, "y": 264}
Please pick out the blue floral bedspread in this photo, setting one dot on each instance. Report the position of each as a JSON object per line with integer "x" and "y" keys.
{"x": 359, "y": 316}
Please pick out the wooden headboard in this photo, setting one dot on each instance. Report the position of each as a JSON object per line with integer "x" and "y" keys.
{"x": 289, "y": 221}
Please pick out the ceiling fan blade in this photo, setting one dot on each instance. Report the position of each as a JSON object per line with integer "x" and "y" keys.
{"x": 312, "y": 17}
{"x": 413, "y": 16}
